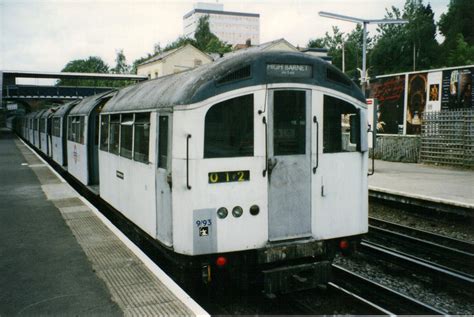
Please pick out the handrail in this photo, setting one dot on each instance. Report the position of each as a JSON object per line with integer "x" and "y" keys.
{"x": 315, "y": 120}
{"x": 187, "y": 161}
{"x": 264, "y": 120}
{"x": 373, "y": 151}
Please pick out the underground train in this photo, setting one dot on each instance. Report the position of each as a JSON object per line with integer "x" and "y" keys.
{"x": 255, "y": 164}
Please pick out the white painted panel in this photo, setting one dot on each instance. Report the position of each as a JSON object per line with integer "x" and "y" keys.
{"x": 44, "y": 143}
{"x": 77, "y": 161}
{"x": 232, "y": 233}
{"x": 57, "y": 150}
{"x": 340, "y": 195}
{"x": 134, "y": 195}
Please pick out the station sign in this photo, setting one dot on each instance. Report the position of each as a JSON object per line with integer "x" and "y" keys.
{"x": 290, "y": 70}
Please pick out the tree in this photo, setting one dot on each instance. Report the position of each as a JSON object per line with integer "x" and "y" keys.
{"x": 462, "y": 53}
{"x": 458, "y": 20}
{"x": 121, "y": 66}
{"x": 400, "y": 48}
{"x": 92, "y": 64}
{"x": 352, "y": 45}
{"x": 207, "y": 41}
{"x": 456, "y": 27}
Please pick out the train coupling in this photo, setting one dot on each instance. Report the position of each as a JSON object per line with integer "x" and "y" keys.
{"x": 293, "y": 278}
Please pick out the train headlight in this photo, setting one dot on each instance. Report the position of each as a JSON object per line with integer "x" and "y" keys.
{"x": 222, "y": 212}
{"x": 254, "y": 210}
{"x": 237, "y": 211}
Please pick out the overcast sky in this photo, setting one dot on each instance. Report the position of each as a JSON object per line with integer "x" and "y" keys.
{"x": 45, "y": 34}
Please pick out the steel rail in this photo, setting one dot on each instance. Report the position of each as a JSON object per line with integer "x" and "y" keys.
{"x": 381, "y": 296}
{"x": 436, "y": 272}
{"x": 456, "y": 260}
{"x": 448, "y": 242}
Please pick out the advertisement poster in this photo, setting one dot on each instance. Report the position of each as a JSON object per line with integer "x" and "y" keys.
{"x": 433, "y": 93}
{"x": 416, "y": 102}
{"x": 457, "y": 89}
{"x": 389, "y": 92}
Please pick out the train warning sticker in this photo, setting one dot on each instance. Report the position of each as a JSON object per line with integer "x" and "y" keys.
{"x": 227, "y": 177}
{"x": 203, "y": 231}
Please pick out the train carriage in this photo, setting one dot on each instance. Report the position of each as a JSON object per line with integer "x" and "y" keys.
{"x": 45, "y": 131}
{"x": 59, "y": 132}
{"x": 259, "y": 159}
{"x": 82, "y": 139}
{"x": 36, "y": 140}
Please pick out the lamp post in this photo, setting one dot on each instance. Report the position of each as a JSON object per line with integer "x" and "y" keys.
{"x": 364, "y": 22}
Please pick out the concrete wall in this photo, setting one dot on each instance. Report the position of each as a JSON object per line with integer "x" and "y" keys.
{"x": 398, "y": 148}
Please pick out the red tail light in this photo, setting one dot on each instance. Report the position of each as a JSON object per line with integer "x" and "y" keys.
{"x": 343, "y": 244}
{"x": 221, "y": 261}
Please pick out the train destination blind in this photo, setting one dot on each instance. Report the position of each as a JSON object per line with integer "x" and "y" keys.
{"x": 289, "y": 70}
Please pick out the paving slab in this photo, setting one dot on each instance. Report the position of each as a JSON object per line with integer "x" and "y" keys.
{"x": 435, "y": 183}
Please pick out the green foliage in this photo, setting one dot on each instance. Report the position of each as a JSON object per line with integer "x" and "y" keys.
{"x": 121, "y": 66}
{"x": 462, "y": 53}
{"x": 92, "y": 64}
{"x": 207, "y": 41}
{"x": 458, "y": 20}
{"x": 352, "y": 44}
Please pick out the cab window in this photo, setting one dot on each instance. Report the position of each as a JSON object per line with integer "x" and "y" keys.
{"x": 228, "y": 130}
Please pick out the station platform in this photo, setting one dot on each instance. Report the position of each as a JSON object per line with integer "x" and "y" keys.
{"x": 59, "y": 256}
{"x": 438, "y": 184}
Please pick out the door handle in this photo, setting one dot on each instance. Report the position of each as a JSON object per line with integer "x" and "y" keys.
{"x": 272, "y": 162}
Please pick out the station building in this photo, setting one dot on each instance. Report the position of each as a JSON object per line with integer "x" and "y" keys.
{"x": 173, "y": 61}
{"x": 231, "y": 27}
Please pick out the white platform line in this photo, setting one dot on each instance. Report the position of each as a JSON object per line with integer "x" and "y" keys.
{"x": 155, "y": 269}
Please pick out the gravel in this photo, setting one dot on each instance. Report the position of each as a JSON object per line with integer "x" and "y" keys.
{"x": 406, "y": 282}
{"x": 447, "y": 227}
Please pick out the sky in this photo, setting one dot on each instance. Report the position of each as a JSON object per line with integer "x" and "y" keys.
{"x": 44, "y": 35}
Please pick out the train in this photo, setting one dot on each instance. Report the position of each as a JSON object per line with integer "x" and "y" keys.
{"x": 254, "y": 165}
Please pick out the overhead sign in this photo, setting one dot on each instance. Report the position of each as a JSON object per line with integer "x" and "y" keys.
{"x": 290, "y": 70}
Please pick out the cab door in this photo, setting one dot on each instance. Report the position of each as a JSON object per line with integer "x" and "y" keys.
{"x": 164, "y": 218}
{"x": 289, "y": 164}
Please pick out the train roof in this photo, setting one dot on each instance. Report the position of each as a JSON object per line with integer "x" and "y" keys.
{"x": 39, "y": 113}
{"x": 88, "y": 103}
{"x": 49, "y": 112}
{"x": 64, "y": 109}
{"x": 236, "y": 71}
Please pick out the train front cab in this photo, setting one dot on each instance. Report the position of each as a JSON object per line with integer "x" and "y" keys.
{"x": 83, "y": 140}
{"x": 284, "y": 157}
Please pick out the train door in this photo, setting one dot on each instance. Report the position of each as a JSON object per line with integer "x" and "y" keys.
{"x": 93, "y": 146}
{"x": 164, "y": 216}
{"x": 289, "y": 164}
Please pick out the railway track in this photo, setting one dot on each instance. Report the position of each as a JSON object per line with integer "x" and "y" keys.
{"x": 388, "y": 301}
{"x": 447, "y": 253}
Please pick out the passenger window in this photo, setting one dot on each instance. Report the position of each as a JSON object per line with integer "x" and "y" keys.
{"x": 80, "y": 129}
{"x": 289, "y": 122}
{"x": 126, "y": 135}
{"x": 56, "y": 127}
{"x": 42, "y": 125}
{"x": 163, "y": 142}
{"x": 336, "y": 129}
{"x": 114, "y": 133}
{"x": 104, "y": 133}
{"x": 142, "y": 137}
{"x": 228, "y": 130}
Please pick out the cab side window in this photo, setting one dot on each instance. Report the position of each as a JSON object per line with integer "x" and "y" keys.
{"x": 228, "y": 130}
{"x": 338, "y": 117}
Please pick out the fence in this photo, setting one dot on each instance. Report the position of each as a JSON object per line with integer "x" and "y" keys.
{"x": 447, "y": 138}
